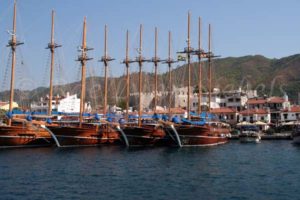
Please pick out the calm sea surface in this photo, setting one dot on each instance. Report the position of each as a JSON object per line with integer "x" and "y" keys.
{"x": 269, "y": 170}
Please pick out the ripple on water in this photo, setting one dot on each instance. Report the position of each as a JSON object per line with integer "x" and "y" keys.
{"x": 268, "y": 170}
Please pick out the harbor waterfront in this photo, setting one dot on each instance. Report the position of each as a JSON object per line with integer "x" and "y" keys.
{"x": 268, "y": 170}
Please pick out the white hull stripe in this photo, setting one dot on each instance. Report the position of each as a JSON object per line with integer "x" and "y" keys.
{"x": 205, "y": 145}
{"x": 80, "y": 137}
{"x": 25, "y": 146}
{"x": 18, "y": 136}
{"x": 137, "y": 136}
{"x": 201, "y": 136}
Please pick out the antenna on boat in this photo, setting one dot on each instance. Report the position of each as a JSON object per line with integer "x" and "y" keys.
{"x": 170, "y": 61}
{"x": 13, "y": 43}
{"x": 82, "y": 59}
{"x": 127, "y": 61}
{"x": 155, "y": 60}
{"x": 52, "y": 46}
{"x": 188, "y": 51}
{"x": 140, "y": 60}
{"x": 105, "y": 59}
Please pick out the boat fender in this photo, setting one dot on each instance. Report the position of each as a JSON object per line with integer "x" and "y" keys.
{"x": 97, "y": 117}
{"x": 9, "y": 115}
{"x": 109, "y": 119}
{"x": 29, "y": 118}
{"x": 176, "y": 120}
{"x": 155, "y": 116}
{"x": 165, "y": 117}
{"x": 49, "y": 121}
{"x": 122, "y": 121}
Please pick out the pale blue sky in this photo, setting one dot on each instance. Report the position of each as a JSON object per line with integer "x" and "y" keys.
{"x": 240, "y": 27}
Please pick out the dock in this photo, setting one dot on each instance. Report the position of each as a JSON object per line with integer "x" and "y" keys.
{"x": 275, "y": 136}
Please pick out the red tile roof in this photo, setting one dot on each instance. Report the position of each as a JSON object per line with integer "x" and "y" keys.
{"x": 263, "y": 100}
{"x": 276, "y": 100}
{"x": 256, "y": 101}
{"x": 293, "y": 109}
{"x": 254, "y": 111}
{"x": 223, "y": 110}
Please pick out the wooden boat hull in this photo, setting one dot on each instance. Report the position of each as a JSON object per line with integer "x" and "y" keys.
{"x": 196, "y": 136}
{"x": 24, "y": 136}
{"x": 85, "y": 136}
{"x": 146, "y": 135}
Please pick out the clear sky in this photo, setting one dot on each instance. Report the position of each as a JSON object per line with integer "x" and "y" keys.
{"x": 240, "y": 27}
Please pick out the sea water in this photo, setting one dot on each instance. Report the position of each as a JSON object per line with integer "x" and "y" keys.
{"x": 269, "y": 170}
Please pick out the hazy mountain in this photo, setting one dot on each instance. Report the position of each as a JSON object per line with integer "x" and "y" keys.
{"x": 268, "y": 76}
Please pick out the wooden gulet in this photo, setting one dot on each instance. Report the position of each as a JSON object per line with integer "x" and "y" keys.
{"x": 142, "y": 134}
{"x": 19, "y": 132}
{"x": 194, "y": 133}
{"x": 85, "y": 134}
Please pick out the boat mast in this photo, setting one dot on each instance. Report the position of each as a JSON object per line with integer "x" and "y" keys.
{"x": 209, "y": 66}
{"x": 169, "y": 61}
{"x": 105, "y": 59}
{"x": 126, "y": 62}
{"x": 189, "y": 65}
{"x": 155, "y": 60}
{"x": 188, "y": 51}
{"x": 13, "y": 43}
{"x": 140, "y": 61}
{"x": 200, "y": 67}
{"x": 52, "y": 45}
{"x": 83, "y": 58}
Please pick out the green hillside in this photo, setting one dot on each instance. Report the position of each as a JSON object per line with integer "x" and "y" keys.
{"x": 268, "y": 76}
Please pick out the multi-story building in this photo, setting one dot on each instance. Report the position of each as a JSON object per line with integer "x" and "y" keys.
{"x": 292, "y": 113}
{"x": 254, "y": 115}
{"x": 228, "y": 115}
{"x": 67, "y": 104}
{"x": 274, "y": 104}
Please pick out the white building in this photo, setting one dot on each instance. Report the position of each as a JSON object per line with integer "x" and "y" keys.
{"x": 292, "y": 113}
{"x": 235, "y": 99}
{"x": 68, "y": 104}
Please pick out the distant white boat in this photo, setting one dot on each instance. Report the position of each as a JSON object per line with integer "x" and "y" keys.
{"x": 249, "y": 134}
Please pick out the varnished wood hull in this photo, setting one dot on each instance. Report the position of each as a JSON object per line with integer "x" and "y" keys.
{"x": 195, "y": 136}
{"x": 85, "y": 136}
{"x": 146, "y": 135}
{"x": 24, "y": 136}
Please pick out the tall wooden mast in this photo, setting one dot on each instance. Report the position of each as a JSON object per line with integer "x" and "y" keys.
{"x": 209, "y": 67}
{"x": 189, "y": 66}
{"x": 105, "y": 59}
{"x": 126, "y": 61}
{"x": 155, "y": 60}
{"x": 140, "y": 60}
{"x": 169, "y": 61}
{"x": 83, "y": 58}
{"x": 200, "y": 67}
{"x": 188, "y": 51}
{"x": 52, "y": 45}
{"x": 13, "y": 43}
